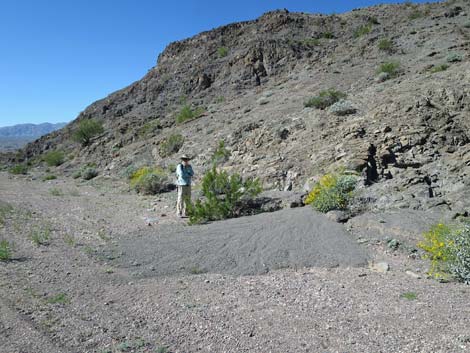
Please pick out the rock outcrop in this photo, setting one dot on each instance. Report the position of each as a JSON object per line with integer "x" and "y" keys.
{"x": 407, "y": 134}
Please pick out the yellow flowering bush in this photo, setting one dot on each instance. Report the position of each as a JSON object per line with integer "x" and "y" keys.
{"x": 448, "y": 248}
{"x": 332, "y": 192}
{"x": 438, "y": 243}
{"x": 147, "y": 180}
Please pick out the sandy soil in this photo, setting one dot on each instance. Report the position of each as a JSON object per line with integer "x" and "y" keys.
{"x": 90, "y": 286}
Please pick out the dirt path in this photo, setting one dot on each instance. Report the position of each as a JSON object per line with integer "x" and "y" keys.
{"x": 64, "y": 297}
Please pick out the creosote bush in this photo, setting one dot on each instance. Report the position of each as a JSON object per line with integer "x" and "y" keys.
{"x": 325, "y": 99}
{"x": 187, "y": 113}
{"x": 19, "y": 169}
{"x": 54, "y": 158}
{"x": 332, "y": 192}
{"x": 171, "y": 145}
{"x": 87, "y": 129}
{"x": 448, "y": 249}
{"x": 222, "y": 193}
{"x": 149, "y": 181}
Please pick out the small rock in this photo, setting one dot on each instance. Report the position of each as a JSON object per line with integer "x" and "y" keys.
{"x": 337, "y": 216}
{"x": 380, "y": 267}
{"x": 412, "y": 274}
{"x": 382, "y": 77}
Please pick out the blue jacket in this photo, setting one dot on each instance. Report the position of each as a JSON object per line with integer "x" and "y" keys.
{"x": 184, "y": 174}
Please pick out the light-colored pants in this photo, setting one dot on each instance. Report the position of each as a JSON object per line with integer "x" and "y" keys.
{"x": 184, "y": 196}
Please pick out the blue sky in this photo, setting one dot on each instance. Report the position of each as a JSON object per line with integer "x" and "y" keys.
{"x": 58, "y": 56}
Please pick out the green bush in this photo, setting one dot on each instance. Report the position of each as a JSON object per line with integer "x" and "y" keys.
{"x": 19, "y": 169}
{"x": 222, "y": 52}
{"x": 149, "y": 181}
{"x": 332, "y": 192}
{"x": 5, "y": 210}
{"x": 222, "y": 193}
{"x": 54, "y": 158}
{"x": 49, "y": 177}
{"x": 5, "y": 250}
{"x": 448, "y": 248}
{"x": 171, "y": 145}
{"x": 86, "y": 130}
{"x": 89, "y": 173}
{"x": 150, "y": 127}
{"x": 327, "y": 35}
{"x": 362, "y": 31}
{"x": 221, "y": 154}
{"x": 325, "y": 99}
{"x": 390, "y": 68}
{"x": 385, "y": 44}
{"x": 415, "y": 15}
{"x": 187, "y": 113}
{"x": 439, "y": 68}
{"x": 40, "y": 236}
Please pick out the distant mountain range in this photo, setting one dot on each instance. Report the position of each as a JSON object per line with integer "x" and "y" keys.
{"x": 16, "y": 136}
{"x": 29, "y": 130}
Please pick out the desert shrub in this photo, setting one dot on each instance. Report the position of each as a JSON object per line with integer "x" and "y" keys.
{"x": 40, "y": 236}
{"x": 149, "y": 181}
{"x": 362, "y": 31}
{"x": 327, "y": 35}
{"x": 150, "y": 127}
{"x": 439, "y": 68}
{"x": 86, "y": 130}
{"x": 415, "y": 15}
{"x": 390, "y": 68}
{"x": 5, "y": 250}
{"x": 448, "y": 249}
{"x": 219, "y": 99}
{"x": 56, "y": 192}
{"x": 49, "y": 177}
{"x": 453, "y": 57}
{"x": 5, "y": 210}
{"x": 171, "y": 145}
{"x": 221, "y": 154}
{"x": 311, "y": 42}
{"x": 222, "y": 193}
{"x": 325, "y": 99}
{"x": 467, "y": 24}
{"x": 88, "y": 173}
{"x": 54, "y": 158}
{"x": 77, "y": 174}
{"x": 385, "y": 44}
{"x": 187, "y": 113}
{"x": 222, "y": 52}
{"x": 19, "y": 169}
{"x": 332, "y": 192}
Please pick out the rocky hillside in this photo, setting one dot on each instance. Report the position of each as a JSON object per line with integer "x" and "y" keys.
{"x": 406, "y": 131}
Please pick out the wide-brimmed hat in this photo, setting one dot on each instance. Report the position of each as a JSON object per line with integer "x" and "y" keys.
{"x": 185, "y": 157}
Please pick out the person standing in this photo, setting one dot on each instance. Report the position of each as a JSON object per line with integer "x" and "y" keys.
{"x": 184, "y": 173}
